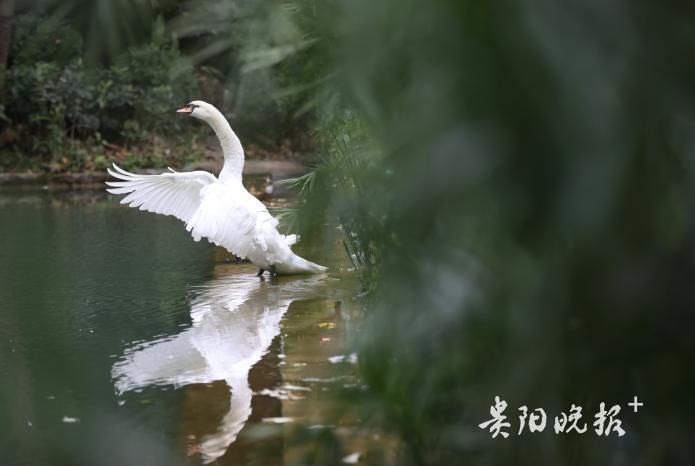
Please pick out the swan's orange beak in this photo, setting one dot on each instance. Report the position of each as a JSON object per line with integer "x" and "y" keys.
{"x": 186, "y": 109}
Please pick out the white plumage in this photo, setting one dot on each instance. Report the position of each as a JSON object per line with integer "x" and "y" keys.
{"x": 219, "y": 209}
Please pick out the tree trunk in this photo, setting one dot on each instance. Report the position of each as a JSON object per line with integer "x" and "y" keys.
{"x": 6, "y": 15}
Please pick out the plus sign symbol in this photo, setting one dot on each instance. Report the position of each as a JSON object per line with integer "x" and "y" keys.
{"x": 635, "y": 404}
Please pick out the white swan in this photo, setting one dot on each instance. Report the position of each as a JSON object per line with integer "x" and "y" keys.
{"x": 219, "y": 209}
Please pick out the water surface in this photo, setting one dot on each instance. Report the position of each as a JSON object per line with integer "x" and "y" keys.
{"x": 124, "y": 342}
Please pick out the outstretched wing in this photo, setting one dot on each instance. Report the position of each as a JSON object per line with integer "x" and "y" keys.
{"x": 231, "y": 217}
{"x": 174, "y": 193}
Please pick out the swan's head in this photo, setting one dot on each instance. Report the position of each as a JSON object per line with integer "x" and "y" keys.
{"x": 201, "y": 110}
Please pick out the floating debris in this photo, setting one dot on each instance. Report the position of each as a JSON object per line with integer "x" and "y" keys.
{"x": 278, "y": 420}
{"x": 351, "y": 358}
{"x": 284, "y": 392}
{"x": 280, "y": 394}
{"x": 352, "y": 458}
{"x": 70, "y": 420}
{"x": 288, "y": 386}
{"x": 321, "y": 426}
{"x": 328, "y": 379}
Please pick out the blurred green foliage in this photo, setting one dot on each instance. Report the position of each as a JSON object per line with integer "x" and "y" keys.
{"x": 531, "y": 212}
{"x": 516, "y": 183}
{"x": 108, "y": 27}
{"x": 266, "y": 60}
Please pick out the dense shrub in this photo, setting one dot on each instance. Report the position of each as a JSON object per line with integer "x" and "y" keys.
{"x": 54, "y": 103}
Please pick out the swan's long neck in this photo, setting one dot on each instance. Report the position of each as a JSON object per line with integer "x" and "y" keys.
{"x": 231, "y": 148}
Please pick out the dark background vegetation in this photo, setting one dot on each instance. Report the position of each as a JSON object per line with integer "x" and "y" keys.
{"x": 515, "y": 180}
{"x": 86, "y": 83}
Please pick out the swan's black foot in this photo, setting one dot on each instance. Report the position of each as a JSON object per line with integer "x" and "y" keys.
{"x": 260, "y": 272}
{"x": 273, "y": 273}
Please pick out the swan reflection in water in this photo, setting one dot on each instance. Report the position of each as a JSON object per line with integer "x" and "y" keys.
{"x": 235, "y": 319}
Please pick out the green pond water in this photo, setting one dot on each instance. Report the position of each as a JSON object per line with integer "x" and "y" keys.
{"x": 123, "y": 342}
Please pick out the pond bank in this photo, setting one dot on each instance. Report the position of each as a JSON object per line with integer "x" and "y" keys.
{"x": 259, "y": 175}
